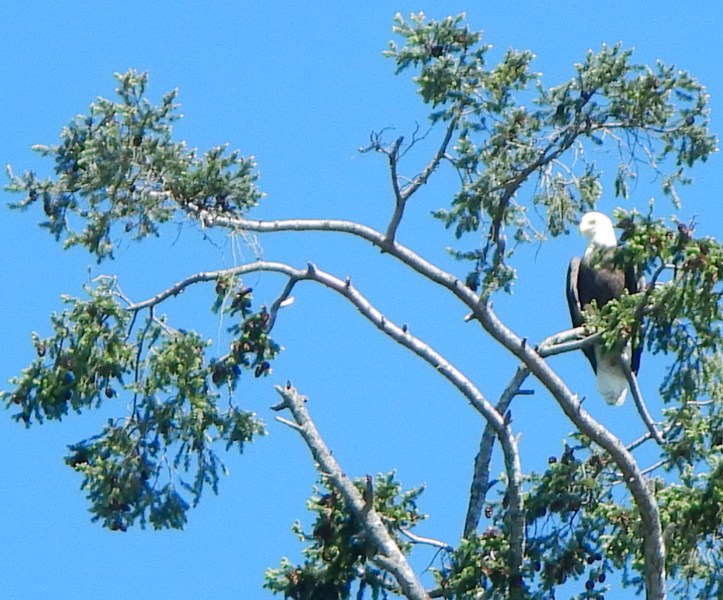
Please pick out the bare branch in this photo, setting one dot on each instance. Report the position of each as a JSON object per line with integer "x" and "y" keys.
{"x": 402, "y": 195}
{"x": 179, "y": 287}
{"x": 640, "y": 403}
{"x": 481, "y": 475}
{"x": 438, "y": 276}
{"x": 288, "y": 423}
{"x": 280, "y": 301}
{"x": 654, "y": 543}
{"x": 405, "y": 255}
{"x": 399, "y": 198}
{"x": 390, "y": 556}
{"x": 419, "y": 539}
{"x": 566, "y": 342}
{"x": 423, "y": 350}
{"x": 655, "y": 466}
{"x": 638, "y": 442}
{"x": 422, "y": 178}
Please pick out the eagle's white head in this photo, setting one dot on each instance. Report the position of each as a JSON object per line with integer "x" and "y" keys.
{"x": 598, "y": 230}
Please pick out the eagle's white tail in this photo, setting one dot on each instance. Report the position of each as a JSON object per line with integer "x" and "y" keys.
{"x": 611, "y": 381}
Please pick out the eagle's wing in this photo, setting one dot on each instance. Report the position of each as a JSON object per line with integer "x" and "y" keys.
{"x": 573, "y": 303}
{"x": 635, "y": 284}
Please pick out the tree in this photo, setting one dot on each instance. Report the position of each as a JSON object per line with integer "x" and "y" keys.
{"x": 525, "y": 157}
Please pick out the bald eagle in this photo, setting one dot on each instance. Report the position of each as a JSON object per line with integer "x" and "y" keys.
{"x": 594, "y": 278}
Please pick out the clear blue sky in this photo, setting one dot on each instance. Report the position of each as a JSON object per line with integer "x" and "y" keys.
{"x": 300, "y": 85}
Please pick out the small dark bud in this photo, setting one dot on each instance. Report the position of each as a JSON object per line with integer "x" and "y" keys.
{"x": 79, "y": 458}
{"x": 552, "y": 460}
{"x": 684, "y": 232}
{"x": 109, "y": 392}
{"x": 262, "y": 368}
{"x": 601, "y": 578}
{"x": 218, "y": 374}
{"x": 118, "y": 526}
{"x": 323, "y": 531}
{"x": 437, "y": 50}
{"x": 472, "y": 280}
{"x": 689, "y": 120}
{"x": 589, "y": 585}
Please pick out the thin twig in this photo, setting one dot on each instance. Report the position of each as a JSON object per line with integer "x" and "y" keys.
{"x": 420, "y": 539}
{"x": 655, "y": 466}
{"x": 639, "y": 442}
{"x": 422, "y": 178}
{"x": 550, "y": 349}
{"x": 402, "y": 195}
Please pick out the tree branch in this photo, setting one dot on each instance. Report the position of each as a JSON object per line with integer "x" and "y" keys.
{"x": 423, "y": 350}
{"x": 422, "y": 178}
{"x": 391, "y": 557}
{"x": 567, "y": 342}
{"x": 405, "y": 255}
{"x": 481, "y": 474}
{"x": 420, "y": 539}
{"x": 436, "y": 275}
{"x": 653, "y": 541}
{"x": 640, "y": 403}
{"x": 180, "y": 286}
{"x": 282, "y": 300}
{"x": 401, "y": 195}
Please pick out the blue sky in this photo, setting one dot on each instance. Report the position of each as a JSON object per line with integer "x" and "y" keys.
{"x": 300, "y": 86}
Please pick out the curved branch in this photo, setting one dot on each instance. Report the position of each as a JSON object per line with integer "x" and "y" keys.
{"x": 653, "y": 541}
{"x": 179, "y": 287}
{"x": 640, "y": 403}
{"x": 392, "y": 558}
{"x": 283, "y": 299}
{"x": 407, "y": 256}
{"x": 443, "y": 366}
